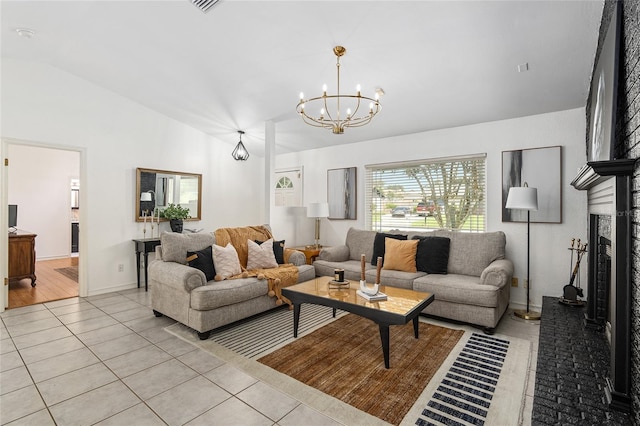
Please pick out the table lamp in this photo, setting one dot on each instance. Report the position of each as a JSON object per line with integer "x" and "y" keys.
{"x": 318, "y": 211}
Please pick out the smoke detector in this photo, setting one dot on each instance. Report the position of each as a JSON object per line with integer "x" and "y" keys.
{"x": 25, "y": 32}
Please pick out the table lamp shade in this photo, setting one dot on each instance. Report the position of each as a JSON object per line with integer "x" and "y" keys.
{"x": 318, "y": 210}
{"x": 523, "y": 198}
{"x": 145, "y": 196}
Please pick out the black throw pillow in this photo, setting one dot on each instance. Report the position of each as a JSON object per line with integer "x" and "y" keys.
{"x": 433, "y": 255}
{"x": 378, "y": 245}
{"x": 278, "y": 250}
{"x": 203, "y": 260}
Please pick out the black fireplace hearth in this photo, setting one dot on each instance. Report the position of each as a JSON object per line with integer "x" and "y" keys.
{"x": 573, "y": 363}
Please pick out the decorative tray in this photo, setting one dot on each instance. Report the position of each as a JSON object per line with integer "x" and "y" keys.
{"x": 338, "y": 284}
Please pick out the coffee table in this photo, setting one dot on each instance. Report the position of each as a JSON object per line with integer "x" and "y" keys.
{"x": 402, "y": 305}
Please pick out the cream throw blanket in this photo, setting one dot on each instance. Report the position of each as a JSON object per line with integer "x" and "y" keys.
{"x": 282, "y": 276}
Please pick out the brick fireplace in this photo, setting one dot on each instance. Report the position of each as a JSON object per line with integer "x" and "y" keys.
{"x": 609, "y": 186}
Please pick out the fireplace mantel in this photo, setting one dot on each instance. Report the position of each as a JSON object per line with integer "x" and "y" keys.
{"x": 589, "y": 177}
{"x": 595, "y": 172}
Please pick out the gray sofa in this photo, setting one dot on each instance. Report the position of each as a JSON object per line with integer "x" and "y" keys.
{"x": 184, "y": 294}
{"x": 475, "y": 290}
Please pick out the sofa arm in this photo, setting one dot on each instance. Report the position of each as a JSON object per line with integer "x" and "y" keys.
{"x": 294, "y": 256}
{"x": 176, "y": 275}
{"x": 334, "y": 254}
{"x": 498, "y": 273}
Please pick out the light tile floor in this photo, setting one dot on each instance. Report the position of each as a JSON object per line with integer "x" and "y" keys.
{"x": 107, "y": 360}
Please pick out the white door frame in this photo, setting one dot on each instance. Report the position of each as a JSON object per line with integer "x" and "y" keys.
{"x": 4, "y": 202}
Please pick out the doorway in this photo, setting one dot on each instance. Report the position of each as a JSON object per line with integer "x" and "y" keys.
{"x": 38, "y": 181}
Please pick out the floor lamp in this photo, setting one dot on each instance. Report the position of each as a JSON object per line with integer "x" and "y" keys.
{"x": 524, "y": 198}
{"x": 318, "y": 210}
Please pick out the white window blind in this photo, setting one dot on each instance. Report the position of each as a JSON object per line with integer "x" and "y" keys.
{"x": 441, "y": 193}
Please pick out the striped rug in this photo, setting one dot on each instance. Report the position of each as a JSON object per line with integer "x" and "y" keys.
{"x": 263, "y": 333}
{"x": 483, "y": 384}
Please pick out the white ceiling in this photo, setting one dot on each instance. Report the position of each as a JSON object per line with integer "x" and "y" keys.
{"x": 441, "y": 63}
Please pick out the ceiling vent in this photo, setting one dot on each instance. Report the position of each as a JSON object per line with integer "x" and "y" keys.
{"x": 204, "y": 5}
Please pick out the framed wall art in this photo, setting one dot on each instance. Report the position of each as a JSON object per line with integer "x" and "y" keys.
{"x": 540, "y": 168}
{"x": 341, "y": 193}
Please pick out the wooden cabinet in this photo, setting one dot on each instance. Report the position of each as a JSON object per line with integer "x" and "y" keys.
{"x": 22, "y": 256}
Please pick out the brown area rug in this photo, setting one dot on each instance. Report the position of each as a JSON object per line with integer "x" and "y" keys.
{"x": 344, "y": 359}
{"x": 70, "y": 272}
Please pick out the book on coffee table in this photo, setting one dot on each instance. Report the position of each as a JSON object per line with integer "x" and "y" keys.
{"x": 375, "y": 298}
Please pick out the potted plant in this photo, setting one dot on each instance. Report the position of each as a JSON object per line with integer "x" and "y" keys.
{"x": 176, "y": 214}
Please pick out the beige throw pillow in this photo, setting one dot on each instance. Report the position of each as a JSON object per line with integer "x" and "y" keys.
{"x": 261, "y": 255}
{"x": 226, "y": 261}
{"x": 400, "y": 255}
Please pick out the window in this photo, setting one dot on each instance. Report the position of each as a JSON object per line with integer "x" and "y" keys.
{"x": 437, "y": 193}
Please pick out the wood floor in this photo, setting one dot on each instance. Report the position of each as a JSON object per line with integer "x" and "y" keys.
{"x": 50, "y": 284}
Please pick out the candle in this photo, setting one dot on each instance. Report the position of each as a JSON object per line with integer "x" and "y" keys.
{"x": 363, "y": 261}
{"x": 378, "y": 269}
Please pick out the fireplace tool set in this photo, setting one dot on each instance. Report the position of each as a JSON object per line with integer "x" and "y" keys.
{"x": 572, "y": 291}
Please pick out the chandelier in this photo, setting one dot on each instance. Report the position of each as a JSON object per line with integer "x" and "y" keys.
{"x": 331, "y": 106}
{"x": 240, "y": 153}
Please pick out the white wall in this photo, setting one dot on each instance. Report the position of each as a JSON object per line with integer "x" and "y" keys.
{"x": 40, "y": 184}
{"x": 44, "y": 105}
{"x": 549, "y": 242}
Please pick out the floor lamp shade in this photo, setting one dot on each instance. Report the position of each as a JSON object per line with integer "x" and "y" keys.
{"x": 525, "y": 198}
{"x": 318, "y": 211}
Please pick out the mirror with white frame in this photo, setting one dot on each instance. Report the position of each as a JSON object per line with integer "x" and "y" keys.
{"x": 156, "y": 189}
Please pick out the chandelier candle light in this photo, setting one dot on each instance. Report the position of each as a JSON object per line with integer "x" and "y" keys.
{"x": 331, "y": 115}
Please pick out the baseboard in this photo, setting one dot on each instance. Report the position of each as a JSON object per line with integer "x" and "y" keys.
{"x": 515, "y": 306}
{"x": 113, "y": 289}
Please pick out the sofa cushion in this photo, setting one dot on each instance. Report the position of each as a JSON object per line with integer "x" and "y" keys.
{"x": 400, "y": 255}
{"x": 471, "y": 252}
{"x": 226, "y": 261}
{"x": 398, "y": 279}
{"x": 351, "y": 268}
{"x": 228, "y": 292}
{"x": 175, "y": 246}
{"x": 379, "y": 245}
{"x": 261, "y": 255}
{"x": 203, "y": 260}
{"x": 455, "y": 288}
{"x": 360, "y": 241}
{"x": 433, "y": 254}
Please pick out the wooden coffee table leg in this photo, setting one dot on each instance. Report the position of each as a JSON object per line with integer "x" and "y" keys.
{"x": 296, "y": 318}
{"x": 384, "y": 337}
{"x": 415, "y": 327}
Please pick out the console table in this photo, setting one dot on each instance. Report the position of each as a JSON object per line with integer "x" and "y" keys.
{"x": 22, "y": 256}
{"x": 310, "y": 253}
{"x": 144, "y": 246}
